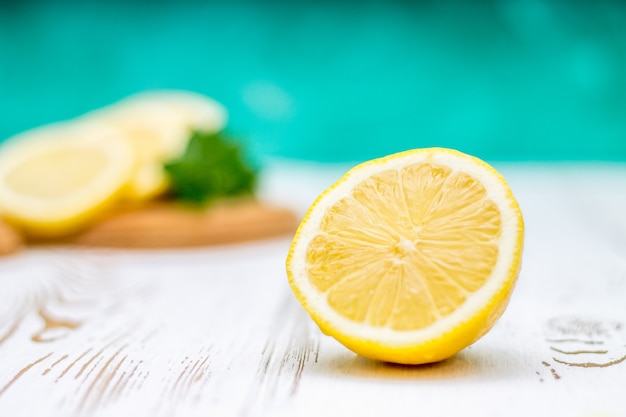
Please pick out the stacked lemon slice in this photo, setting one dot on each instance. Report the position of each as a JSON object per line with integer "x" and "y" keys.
{"x": 158, "y": 124}
{"x": 56, "y": 179}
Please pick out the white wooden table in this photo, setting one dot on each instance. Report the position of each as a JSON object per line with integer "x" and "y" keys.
{"x": 217, "y": 332}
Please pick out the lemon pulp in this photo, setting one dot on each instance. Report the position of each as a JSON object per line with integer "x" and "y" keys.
{"x": 58, "y": 173}
{"x": 405, "y": 265}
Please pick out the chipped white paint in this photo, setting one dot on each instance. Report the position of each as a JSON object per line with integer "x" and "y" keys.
{"x": 217, "y": 332}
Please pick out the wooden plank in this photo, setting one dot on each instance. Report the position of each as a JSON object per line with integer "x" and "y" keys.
{"x": 170, "y": 225}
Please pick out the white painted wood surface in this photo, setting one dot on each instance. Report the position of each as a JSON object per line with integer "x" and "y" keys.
{"x": 216, "y": 331}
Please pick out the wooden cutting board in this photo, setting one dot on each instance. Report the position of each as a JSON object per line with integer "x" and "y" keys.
{"x": 171, "y": 225}
{"x": 10, "y": 240}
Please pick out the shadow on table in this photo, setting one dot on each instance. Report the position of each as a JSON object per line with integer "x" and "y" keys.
{"x": 472, "y": 363}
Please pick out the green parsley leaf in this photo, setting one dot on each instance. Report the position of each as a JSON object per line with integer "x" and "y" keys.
{"x": 212, "y": 167}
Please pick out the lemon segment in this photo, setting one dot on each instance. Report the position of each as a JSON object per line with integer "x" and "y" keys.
{"x": 56, "y": 179}
{"x": 409, "y": 258}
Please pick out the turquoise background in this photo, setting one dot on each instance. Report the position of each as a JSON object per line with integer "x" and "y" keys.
{"x": 337, "y": 81}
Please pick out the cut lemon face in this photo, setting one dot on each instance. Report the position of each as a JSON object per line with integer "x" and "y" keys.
{"x": 409, "y": 258}
{"x": 55, "y": 179}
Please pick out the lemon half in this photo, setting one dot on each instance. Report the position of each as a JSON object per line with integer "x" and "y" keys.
{"x": 56, "y": 179}
{"x": 409, "y": 258}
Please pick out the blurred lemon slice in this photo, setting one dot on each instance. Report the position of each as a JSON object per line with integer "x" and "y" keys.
{"x": 158, "y": 124}
{"x": 156, "y": 135}
{"x": 409, "y": 258}
{"x": 56, "y": 179}
{"x": 199, "y": 112}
